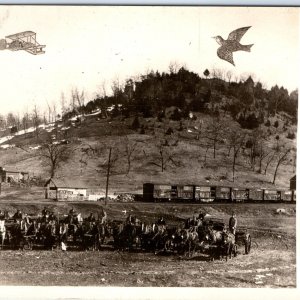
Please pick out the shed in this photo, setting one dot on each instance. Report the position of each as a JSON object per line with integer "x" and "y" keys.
{"x": 12, "y": 175}
{"x": 293, "y": 183}
{"x": 65, "y": 190}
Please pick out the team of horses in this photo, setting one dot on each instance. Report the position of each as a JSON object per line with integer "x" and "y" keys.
{"x": 84, "y": 234}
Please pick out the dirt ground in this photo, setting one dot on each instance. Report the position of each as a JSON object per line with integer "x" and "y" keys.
{"x": 271, "y": 262}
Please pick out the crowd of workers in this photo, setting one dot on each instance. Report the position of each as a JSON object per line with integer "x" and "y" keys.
{"x": 47, "y": 216}
{"x": 72, "y": 217}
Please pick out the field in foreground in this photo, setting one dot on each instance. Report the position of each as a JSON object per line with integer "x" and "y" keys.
{"x": 271, "y": 263}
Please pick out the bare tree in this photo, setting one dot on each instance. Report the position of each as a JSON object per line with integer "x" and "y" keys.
{"x": 218, "y": 73}
{"x": 130, "y": 149}
{"x": 164, "y": 157}
{"x": 116, "y": 87}
{"x": 263, "y": 153}
{"x": 49, "y": 112}
{"x": 36, "y": 120}
{"x": 3, "y": 123}
{"x": 270, "y": 158}
{"x": 102, "y": 90}
{"x": 77, "y": 100}
{"x": 54, "y": 154}
{"x": 236, "y": 140}
{"x": 282, "y": 157}
{"x": 214, "y": 132}
{"x": 63, "y": 103}
{"x": 174, "y": 67}
{"x": 229, "y": 75}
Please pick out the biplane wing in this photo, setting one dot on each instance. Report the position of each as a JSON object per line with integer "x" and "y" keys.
{"x": 25, "y": 41}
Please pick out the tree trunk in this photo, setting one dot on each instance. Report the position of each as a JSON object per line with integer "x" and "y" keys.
{"x": 107, "y": 176}
{"x": 268, "y": 163}
{"x": 275, "y": 173}
{"x": 281, "y": 159}
{"x": 214, "y": 149}
{"x": 233, "y": 166}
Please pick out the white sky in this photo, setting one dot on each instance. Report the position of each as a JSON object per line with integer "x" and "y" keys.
{"x": 82, "y": 43}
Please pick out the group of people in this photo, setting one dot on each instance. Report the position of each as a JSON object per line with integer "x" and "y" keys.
{"x": 194, "y": 221}
{"x": 198, "y": 221}
{"x": 73, "y": 218}
{"x": 48, "y": 216}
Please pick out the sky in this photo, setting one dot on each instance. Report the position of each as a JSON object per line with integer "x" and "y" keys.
{"x": 86, "y": 46}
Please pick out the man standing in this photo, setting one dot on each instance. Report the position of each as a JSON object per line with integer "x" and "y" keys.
{"x": 232, "y": 223}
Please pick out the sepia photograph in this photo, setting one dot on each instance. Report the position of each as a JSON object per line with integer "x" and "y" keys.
{"x": 148, "y": 146}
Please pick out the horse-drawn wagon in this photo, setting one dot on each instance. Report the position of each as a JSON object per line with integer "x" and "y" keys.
{"x": 223, "y": 242}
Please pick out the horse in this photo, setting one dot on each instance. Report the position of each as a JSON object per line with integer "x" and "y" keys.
{"x": 228, "y": 243}
{"x": 2, "y": 232}
{"x": 215, "y": 239}
{"x": 63, "y": 232}
{"x": 124, "y": 235}
{"x": 90, "y": 235}
{"x": 146, "y": 235}
{"x": 16, "y": 234}
{"x": 50, "y": 234}
{"x": 190, "y": 240}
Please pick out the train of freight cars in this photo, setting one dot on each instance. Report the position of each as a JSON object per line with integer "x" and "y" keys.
{"x": 193, "y": 193}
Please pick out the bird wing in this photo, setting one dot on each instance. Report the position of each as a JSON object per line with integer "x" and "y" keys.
{"x": 225, "y": 54}
{"x": 237, "y": 34}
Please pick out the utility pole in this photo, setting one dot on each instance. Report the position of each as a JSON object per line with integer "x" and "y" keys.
{"x": 107, "y": 176}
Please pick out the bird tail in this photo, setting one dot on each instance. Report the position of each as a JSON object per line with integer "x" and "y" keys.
{"x": 248, "y": 47}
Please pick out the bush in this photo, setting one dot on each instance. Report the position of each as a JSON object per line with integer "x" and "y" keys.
{"x": 268, "y": 123}
{"x": 135, "y": 123}
{"x": 173, "y": 113}
{"x": 13, "y": 130}
{"x": 169, "y": 131}
{"x": 276, "y": 124}
{"x": 291, "y": 135}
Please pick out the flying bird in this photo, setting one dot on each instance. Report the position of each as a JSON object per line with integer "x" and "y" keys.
{"x": 232, "y": 44}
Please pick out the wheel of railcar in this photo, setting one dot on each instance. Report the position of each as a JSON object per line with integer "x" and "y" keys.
{"x": 248, "y": 244}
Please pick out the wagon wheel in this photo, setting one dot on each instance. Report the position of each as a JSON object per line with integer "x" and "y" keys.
{"x": 27, "y": 245}
{"x": 248, "y": 245}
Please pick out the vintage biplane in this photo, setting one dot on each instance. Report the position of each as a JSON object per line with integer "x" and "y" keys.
{"x": 22, "y": 41}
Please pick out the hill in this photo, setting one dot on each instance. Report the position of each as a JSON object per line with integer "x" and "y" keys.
{"x": 168, "y": 128}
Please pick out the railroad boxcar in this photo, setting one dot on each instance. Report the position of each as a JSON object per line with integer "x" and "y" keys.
{"x": 205, "y": 193}
{"x": 159, "y": 192}
{"x": 148, "y": 189}
{"x": 163, "y": 192}
{"x": 185, "y": 193}
{"x": 223, "y": 193}
{"x": 294, "y": 195}
{"x": 271, "y": 195}
{"x": 256, "y": 195}
{"x": 239, "y": 195}
{"x": 287, "y": 196}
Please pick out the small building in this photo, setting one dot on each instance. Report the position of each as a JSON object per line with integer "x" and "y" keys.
{"x": 8, "y": 176}
{"x": 293, "y": 183}
{"x": 65, "y": 190}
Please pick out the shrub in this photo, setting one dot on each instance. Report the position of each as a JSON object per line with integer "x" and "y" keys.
{"x": 268, "y": 123}
{"x": 14, "y": 130}
{"x": 276, "y": 124}
{"x": 169, "y": 131}
{"x": 291, "y": 135}
{"x": 135, "y": 123}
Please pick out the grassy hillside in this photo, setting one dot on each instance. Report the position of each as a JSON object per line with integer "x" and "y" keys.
{"x": 187, "y": 145}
